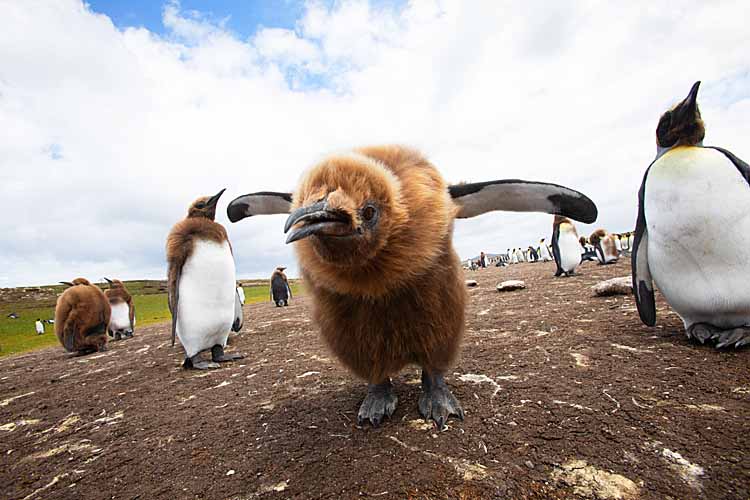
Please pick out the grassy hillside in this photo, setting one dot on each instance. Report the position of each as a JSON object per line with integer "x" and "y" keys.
{"x": 30, "y": 303}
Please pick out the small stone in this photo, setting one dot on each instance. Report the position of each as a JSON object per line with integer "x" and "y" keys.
{"x": 471, "y": 283}
{"x": 510, "y": 285}
{"x": 230, "y": 472}
{"x": 615, "y": 286}
{"x": 529, "y": 464}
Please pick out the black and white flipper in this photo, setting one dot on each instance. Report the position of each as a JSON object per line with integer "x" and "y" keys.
{"x": 643, "y": 285}
{"x": 261, "y": 203}
{"x": 515, "y": 195}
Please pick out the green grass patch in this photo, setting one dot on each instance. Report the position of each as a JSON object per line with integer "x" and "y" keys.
{"x": 19, "y": 335}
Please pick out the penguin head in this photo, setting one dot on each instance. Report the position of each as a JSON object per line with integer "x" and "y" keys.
{"x": 597, "y": 236}
{"x": 77, "y": 281}
{"x": 346, "y": 209}
{"x": 682, "y": 125}
{"x": 205, "y": 206}
{"x": 114, "y": 283}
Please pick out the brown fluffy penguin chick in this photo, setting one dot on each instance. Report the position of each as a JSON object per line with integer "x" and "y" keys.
{"x": 373, "y": 231}
{"x": 604, "y": 244}
{"x": 82, "y": 314}
{"x": 122, "y": 321}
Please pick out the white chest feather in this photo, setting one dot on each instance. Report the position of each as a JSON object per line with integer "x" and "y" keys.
{"x": 570, "y": 248}
{"x": 207, "y": 296}
{"x": 697, "y": 209}
{"x": 120, "y": 319}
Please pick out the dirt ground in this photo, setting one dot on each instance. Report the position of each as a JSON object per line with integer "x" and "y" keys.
{"x": 566, "y": 395}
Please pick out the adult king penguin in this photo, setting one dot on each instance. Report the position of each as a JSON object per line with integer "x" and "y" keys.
{"x": 201, "y": 282}
{"x": 373, "y": 230}
{"x": 565, "y": 246}
{"x": 700, "y": 194}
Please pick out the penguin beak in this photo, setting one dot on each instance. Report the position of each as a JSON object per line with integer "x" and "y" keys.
{"x": 686, "y": 111}
{"x": 318, "y": 219}
{"x": 212, "y": 201}
{"x": 108, "y": 280}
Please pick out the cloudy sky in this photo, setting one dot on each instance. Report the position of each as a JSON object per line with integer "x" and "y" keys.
{"x": 116, "y": 115}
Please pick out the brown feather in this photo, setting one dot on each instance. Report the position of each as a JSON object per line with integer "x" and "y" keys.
{"x": 398, "y": 297}
{"x": 82, "y": 315}
{"x": 118, "y": 293}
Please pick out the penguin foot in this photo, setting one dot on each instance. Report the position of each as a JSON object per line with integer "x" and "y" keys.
{"x": 118, "y": 336}
{"x": 380, "y": 402}
{"x": 198, "y": 363}
{"x": 218, "y": 356}
{"x": 736, "y": 337}
{"x": 437, "y": 402}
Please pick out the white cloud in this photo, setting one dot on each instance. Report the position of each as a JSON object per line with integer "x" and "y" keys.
{"x": 109, "y": 134}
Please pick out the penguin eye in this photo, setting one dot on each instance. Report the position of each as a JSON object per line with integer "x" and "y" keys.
{"x": 369, "y": 214}
{"x": 200, "y": 205}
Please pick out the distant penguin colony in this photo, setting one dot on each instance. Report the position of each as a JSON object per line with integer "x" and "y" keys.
{"x": 279, "y": 289}
{"x": 201, "y": 284}
{"x": 565, "y": 246}
{"x": 692, "y": 234}
{"x": 122, "y": 320}
{"x": 373, "y": 231}
{"x": 82, "y": 316}
{"x": 604, "y": 245}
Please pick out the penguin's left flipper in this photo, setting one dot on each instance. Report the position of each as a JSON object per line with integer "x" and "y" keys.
{"x": 643, "y": 284}
{"x": 218, "y": 355}
{"x": 521, "y": 196}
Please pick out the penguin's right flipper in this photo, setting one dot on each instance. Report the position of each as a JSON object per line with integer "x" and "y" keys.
{"x": 174, "y": 297}
{"x": 556, "y": 250}
{"x": 262, "y": 203}
{"x": 643, "y": 284}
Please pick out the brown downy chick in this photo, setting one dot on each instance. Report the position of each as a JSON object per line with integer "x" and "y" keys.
{"x": 604, "y": 244}
{"x": 122, "y": 321}
{"x": 82, "y": 314}
{"x": 201, "y": 282}
{"x": 373, "y": 231}
{"x": 279, "y": 289}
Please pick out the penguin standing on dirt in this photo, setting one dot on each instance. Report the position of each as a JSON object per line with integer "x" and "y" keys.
{"x": 544, "y": 251}
{"x": 201, "y": 283}
{"x": 373, "y": 234}
{"x": 280, "y": 290}
{"x": 82, "y": 315}
{"x": 565, "y": 246}
{"x": 604, "y": 244}
{"x": 122, "y": 320}
{"x": 692, "y": 234}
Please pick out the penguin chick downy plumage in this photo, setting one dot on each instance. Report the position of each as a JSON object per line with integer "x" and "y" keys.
{"x": 122, "y": 320}
{"x": 279, "y": 289}
{"x": 565, "y": 246}
{"x": 604, "y": 244}
{"x": 373, "y": 231}
{"x": 692, "y": 234}
{"x": 201, "y": 283}
{"x": 82, "y": 315}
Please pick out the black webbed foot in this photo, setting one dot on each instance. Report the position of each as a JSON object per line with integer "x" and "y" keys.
{"x": 198, "y": 363}
{"x": 380, "y": 402}
{"x": 437, "y": 402}
{"x": 218, "y": 355}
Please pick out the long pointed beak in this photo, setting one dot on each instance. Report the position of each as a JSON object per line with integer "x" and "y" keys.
{"x": 108, "y": 280}
{"x": 215, "y": 198}
{"x": 689, "y": 105}
{"x": 317, "y": 218}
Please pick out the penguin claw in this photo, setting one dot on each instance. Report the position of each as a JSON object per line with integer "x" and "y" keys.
{"x": 379, "y": 403}
{"x": 218, "y": 355}
{"x": 437, "y": 402}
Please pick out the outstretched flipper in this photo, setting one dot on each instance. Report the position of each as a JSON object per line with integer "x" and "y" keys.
{"x": 522, "y": 196}
{"x": 262, "y": 203}
{"x": 643, "y": 285}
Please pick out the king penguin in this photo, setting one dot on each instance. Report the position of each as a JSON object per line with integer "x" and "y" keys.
{"x": 700, "y": 194}
{"x": 201, "y": 283}
{"x": 565, "y": 246}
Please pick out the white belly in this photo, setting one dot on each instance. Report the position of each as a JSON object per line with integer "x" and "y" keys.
{"x": 545, "y": 252}
{"x": 570, "y": 249}
{"x": 207, "y": 296}
{"x": 698, "y": 220}
{"x": 120, "y": 319}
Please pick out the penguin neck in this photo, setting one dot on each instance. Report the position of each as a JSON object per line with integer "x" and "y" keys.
{"x": 661, "y": 151}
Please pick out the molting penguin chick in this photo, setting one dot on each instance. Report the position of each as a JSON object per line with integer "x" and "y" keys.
{"x": 201, "y": 283}
{"x": 280, "y": 290}
{"x": 122, "y": 321}
{"x": 692, "y": 234}
{"x": 373, "y": 231}
{"x": 604, "y": 244}
{"x": 82, "y": 314}
{"x": 565, "y": 246}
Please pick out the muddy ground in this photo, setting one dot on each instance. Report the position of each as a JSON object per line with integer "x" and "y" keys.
{"x": 566, "y": 396}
